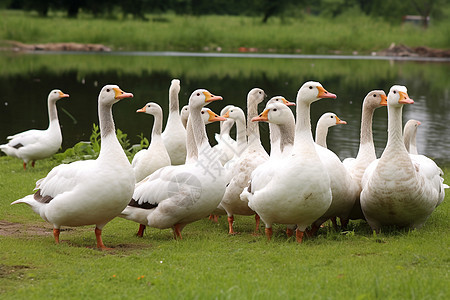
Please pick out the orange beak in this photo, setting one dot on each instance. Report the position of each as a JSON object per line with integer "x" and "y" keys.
{"x": 404, "y": 98}
{"x": 288, "y": 103}
{"x": 263, "y": 117}
{"x": 227, "y": 115}
{"x": 323, "y": 93}
{"x": 214, "y": 117}
{"x": 339, "y": 121}
{"x": 383, "y": 100}
{"x": 210, "y": 97}
{"x": 62, "y": 95}
{"x": 142, "y": 109}
{"x": 121, "y": 94}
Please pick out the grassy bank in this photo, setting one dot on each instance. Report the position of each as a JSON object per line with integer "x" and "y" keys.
{"x": 308, "y": 34}
{"x": 208, "y": 263}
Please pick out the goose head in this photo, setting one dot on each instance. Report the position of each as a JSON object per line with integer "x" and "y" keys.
{"x": 175, "y": 85}
{"x": 55, "y": 95}
{"x": 234, "y": 113}
{"x": 255, "y": 96}
{"x": 413, "y": 124}
{"x": 209, "y": 116}
{"x": 111, "y": 94}
{"x": 312, "y": 91}
{"x": 201, "y": 97}
{"x": 184, "y": 115}
{"x": 280, "y": 99}
{"x": 398, "y": 96}
{"x": 276, "y": 113}
{"x": 375, "y": 99}
{"x": 151, "y": 108}
{"x": 330, "y": 119}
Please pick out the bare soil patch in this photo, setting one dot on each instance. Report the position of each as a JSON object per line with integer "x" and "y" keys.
{"x": 19, "y": 229}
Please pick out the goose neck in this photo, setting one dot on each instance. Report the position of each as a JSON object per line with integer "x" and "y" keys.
{"x": 111, "y": 150}
{"x": 241, "y": 136}
{"x": 303, "y": 134}
{"x": 157, "y": 126}
{"x": 321, "y": 135}
{"x": 53, "y": 114}
{"x": 366, "y": 145}
{"x": 287, "y": 134}
{"x": 174, "y": 105}
{"x": 395, "y": 135}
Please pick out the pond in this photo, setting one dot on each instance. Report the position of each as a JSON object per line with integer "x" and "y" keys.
{"x": 26, "y": 80}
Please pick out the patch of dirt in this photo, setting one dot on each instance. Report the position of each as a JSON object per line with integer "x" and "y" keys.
{"x": 18, "y": 46}
{"x": 404, "y": 51}
{"x": 6, "y": 270}
{"x": 19, "y": 229}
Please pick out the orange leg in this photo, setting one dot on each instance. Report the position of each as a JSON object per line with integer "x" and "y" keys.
{"x": 269, "y": 233}
{"x": 289, "y": 232}
{"x": 32, "y": 163}
{"x": 257, "y": 221}
{"x": 214, "y": 218}
{"x": 141, "y": 230}
{"x": 230, "y": 225}
{"x": 24, "y": 165}
{"x": 98, "y": 235}
{"x": 56, "y": 235}
{"x": 299, "y": 235}
{"x": 177, "y": 231}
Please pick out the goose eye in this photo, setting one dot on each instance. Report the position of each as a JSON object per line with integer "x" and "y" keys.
{"x": 374, "y": 95}
{"x": 310, "y": 87}
{"x": 203, "y": 112}
{"x": 108, "y": 90}
{"x": 395, "y": 92}
{"x": 198, "y": 94}
{"x": 331, "y": 117}
{"x": 274, "y": 109}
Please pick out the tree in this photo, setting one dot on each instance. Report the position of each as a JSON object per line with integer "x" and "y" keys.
{"x": 424, "y": 8}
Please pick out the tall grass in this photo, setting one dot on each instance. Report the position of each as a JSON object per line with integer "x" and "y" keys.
{"x": 309, "y": 34}
{"x": 207, "y": 263}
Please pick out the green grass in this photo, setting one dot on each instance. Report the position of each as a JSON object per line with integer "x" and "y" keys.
{"x": 208, "y": 264}
{"x": 308, "y": 34}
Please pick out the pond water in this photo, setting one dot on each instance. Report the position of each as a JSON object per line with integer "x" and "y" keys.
{"x": 26, "y": 80}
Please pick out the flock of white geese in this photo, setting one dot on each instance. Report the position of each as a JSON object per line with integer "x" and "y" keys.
{"x": 181, "y": 178}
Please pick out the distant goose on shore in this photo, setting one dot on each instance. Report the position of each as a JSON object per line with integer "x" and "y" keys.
{"x": 34, "y": 144}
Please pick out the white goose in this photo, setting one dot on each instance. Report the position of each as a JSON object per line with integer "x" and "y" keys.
{"x": 91, "y": 191}
{"x": 147, "y": 161}
{"x": 400, "y": 189}
{"x": 208, "y": 117}
{"x": 343, "y": 188}
{"x": 175, "y": 196}
{"x": 174, "y": 135}
{"x": 298, "y": 190}
{"x": 409, "y": 136}
{"x": 366, "y": 152}
{"x": 326, "y": 121}
{"x": 34, "y": 144}
{"x": 237, "y": 116}
{"x": 244, "y": 165}
{"x": 274, "y": 129}
{"x": 226, "y": 145}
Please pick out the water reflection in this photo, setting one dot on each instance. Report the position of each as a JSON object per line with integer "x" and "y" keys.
{"x": 27, "y": 80}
